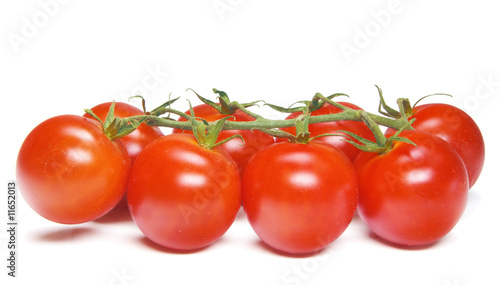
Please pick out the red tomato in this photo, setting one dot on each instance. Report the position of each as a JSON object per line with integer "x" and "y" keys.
{"x": 137, "y": 140}
{"x": 241, "y": 153}
{"x": 458, "y": 129}
{"x": 358, "y": 128}
{"x": 412, "y": 195}
{"x": 183, "y": 196}
{"x": 69, "y": 172}
{"x": 299, "y": 197}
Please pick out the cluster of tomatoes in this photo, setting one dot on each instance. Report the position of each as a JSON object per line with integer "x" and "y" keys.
{"x": 298, "y": 197}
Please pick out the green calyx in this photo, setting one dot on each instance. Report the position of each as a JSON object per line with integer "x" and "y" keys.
{"x": 207, "y": 133}
{"x": 225, "y": 105}
{"x": 302, "y": 129}
{"x": 302, "y": 134}
{"x": 310, "y": 106}
{"x": 381, "y": 144}
{"x": 116, "y": 128}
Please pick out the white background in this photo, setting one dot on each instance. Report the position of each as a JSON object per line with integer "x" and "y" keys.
{"x": 62, "y": 57}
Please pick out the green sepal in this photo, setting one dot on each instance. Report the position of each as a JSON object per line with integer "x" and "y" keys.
{"x": 109, "y": 117}
{"x": 289, "y": 109}
{"x": 401, "y": 139}
{"x": 359, "y": 138}
{"x": 143, "y": 101}
{"x": 88, "y": 111}
{"x": 327, "y": 135}
{"x": 404, "y": 127}
{"x": 225, "y": 103}
{"x": 116, "y": 128}
{"x": 389, "y": 112}
{"x": 227, "y": 106}
{"x": 279, "y": 134}
{"x": 364, "y": 145}
{"x": 206, "y": 101}
{"x": 319, "y": 96}
{"x": 302, "y": 129}
{"x": 374, "y": 128}
{"x": 367, "y": 148}
{"x": 198, "y": 129}
{"x": 367, "y": 145}
{"x": 309, "y": 106}
{"x": 156, "y": 111}
{"x": 213, "y": 132}
{"x": 230, "y": 138}
{"x": 317, "y": 102}
{"x": 206, "y": 133}
{"x": 396, "y": 137}
{"x": 125, "y": 127}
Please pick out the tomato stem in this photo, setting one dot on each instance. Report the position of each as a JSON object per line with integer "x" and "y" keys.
{"x": 206, "y": 131}
{"x": 263, "y": 123}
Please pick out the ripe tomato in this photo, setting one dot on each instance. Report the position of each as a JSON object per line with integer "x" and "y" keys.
{"x": 412, "y": 195}
{"x": 69, "y": 172}
{"x": 183, "y": 196}
{"x": 299, "y": 197}
{"x": 241, "y": 153}
{"x": 358, "y": 128}
{"x": 137, "y": 140}
{"x": 458, "y": 129}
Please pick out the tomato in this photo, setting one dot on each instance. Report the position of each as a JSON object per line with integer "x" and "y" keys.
{"x": 358, "y": 128}
{"x": 69, "y": 172}
{"x": 241, "y": 153}
{"x": 137, "y": 140}
{"x": 183, "y": 196}
{"x": 134, "y": 142}
{"x": 458, "y": 129}
{"x": 412, "y": 195}
{"x": 299, "y": 197}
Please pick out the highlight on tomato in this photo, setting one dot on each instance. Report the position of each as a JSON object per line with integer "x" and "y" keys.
{"x": 299, "y": 197}
{"x": 183, "y": 196}
{"x": 70, "y": 172}
{"x": 412, "y": 195}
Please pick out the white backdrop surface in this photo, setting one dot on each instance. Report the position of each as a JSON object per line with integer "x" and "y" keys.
{"x": 60, "y": 57}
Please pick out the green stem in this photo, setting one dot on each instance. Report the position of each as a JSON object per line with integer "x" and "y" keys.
{"x": 263, "y": 123}
{"x": 246, "y": 111}
{"x": 374, "y": 127}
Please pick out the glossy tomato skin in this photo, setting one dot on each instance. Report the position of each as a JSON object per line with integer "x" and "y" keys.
{"x": 69, "y": 172}
{"x": 412, "y": 195}
{"x": 458, "y": 129}
{"x": 137, "y": 140}
{"x": 239, "y": 151}
{"x": 358, "y": 128}
{"x": 183, "y": 196}
{"x": 299, "y": 197}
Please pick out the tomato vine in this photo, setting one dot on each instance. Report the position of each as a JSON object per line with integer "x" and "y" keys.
{"x": 272, "y": 126}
